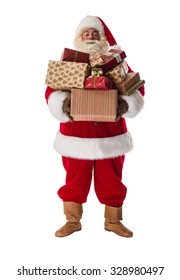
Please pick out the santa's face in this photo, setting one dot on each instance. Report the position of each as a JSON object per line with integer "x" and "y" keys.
{"x": 91, "y": 41}
{"x": 90, "y": 34}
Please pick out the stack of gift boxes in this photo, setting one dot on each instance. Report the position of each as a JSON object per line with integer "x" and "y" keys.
{"x": 94, "y": 82}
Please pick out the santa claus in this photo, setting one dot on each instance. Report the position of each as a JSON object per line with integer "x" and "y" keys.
{"x": 91, "y": 148}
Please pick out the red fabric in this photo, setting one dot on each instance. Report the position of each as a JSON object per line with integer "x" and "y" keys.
{"x": 48, "y": 91}
{"x": 107, "y": 180}
{"x": 108, "y": 34}
{"x": 107, "y": 172}
{"x": 87, "y": 129}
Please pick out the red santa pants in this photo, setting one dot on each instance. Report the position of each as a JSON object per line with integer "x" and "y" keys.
{"x": 107, "y": 180}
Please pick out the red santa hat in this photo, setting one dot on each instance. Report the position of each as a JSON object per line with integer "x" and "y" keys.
{"x": 97, "y": 23}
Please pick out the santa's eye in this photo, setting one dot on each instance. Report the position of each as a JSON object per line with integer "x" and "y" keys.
{"x": 90, "y": 35}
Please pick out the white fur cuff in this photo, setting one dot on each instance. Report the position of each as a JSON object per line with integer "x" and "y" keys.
{"x": 135, "y": 102}
{"x": 55, "y": 103}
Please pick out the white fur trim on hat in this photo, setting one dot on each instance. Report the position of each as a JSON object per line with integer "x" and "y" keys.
{"x": 135, "y": 103}
{"x": 93, "y": 148}
{"x": 55, "y": 103}
{"x": 90, "y": 22}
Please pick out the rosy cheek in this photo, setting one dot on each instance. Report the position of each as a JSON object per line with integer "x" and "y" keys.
{"x": 84, "y": 37}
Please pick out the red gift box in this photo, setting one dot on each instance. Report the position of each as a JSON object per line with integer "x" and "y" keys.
{"x": 131, "y": 80}
{"x": 132, "y": 89}
{"x": 101, "y": 82}
{"x": 75, "y": 56}
{"x": 112, "y": 58}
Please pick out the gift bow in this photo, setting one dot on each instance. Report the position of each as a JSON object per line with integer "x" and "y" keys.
{"x": 96, "y": 60}
{"x": 96, "y": 72}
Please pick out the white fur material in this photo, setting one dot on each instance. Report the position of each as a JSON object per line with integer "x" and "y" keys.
{"x": 116, "y": 47}
{"x": 55, "y": 103}
{"x": 135, "y": 102}
{"x": 90, "y": 22}
{"x": 93, "y": 148}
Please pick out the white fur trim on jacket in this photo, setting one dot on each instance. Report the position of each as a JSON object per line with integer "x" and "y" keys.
{"x": 116, "y": 47}
{"x": 55, "y": 103}
{"x": 93, "y": 148}
{"x": 135, "y": 102}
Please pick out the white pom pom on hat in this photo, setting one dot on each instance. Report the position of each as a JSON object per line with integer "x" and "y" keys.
{"x": 97, "y": 23}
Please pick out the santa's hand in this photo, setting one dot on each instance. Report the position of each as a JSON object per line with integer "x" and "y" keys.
{"x": 67, "y": 107}
{"x": 122, "y": 108}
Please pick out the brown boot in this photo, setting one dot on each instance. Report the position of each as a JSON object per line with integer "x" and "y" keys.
{"x": 113, "y": 215}
{"x": 73, "y": 212}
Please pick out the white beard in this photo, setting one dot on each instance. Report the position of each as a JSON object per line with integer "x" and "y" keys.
{"x": 92, "y": 46}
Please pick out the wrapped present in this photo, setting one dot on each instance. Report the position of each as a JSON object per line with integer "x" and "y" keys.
{"x": 101, "y": 82}
{"x": 96, "y": 60}
{"x": 132, "y": 89}
{"x": 65, "y": 75}
{"x": 108, "y": 60}
{"x": 117, "y": 74}
{"x": 96, "y": 72}
{"x": 111, "y": 59}
{"x": 121, "y": 53}
{"x": 94, "y": 105}
{"x": 74, "y": 56}
{"x": 131, "y": 79}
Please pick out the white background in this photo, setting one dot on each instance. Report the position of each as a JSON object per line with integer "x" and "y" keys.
{"x": 32, "y": 32}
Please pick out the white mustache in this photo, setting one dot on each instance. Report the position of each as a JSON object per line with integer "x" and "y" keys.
{"x": 92, "y": 46}
{"x": 91, "y": 41}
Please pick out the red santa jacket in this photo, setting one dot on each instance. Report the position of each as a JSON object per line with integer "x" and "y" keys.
{"x": 91, "y": 140}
